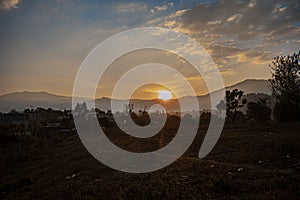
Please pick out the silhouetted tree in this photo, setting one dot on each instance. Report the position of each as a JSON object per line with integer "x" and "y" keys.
{"x": 26, "y": 111}
{"x": 285, "y": 85}
{"x": 13, "y": 111}
{"x": 259, "y": 111}
{"x": 234, "y": 101}
{"x": 104, "y": 122}
{"x": 81, "y": 109}
{"x": 128, "y": 108}
{"x": 98, "y": 111}
{"x": 205, "y": 117}
{"x": 221, "y": 106}
{"x": 140, "y": 113}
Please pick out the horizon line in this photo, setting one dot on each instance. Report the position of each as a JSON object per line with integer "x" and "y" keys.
{"x": 70, "y": 96}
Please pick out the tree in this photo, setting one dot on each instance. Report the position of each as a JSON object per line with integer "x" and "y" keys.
{"x": 259, "y": 111}
{"x": 285, "y": 85}
{"x": 221, "y": 106}
{"x": 128, "y": 108}
{"x": 205, "y": 117}
{"x": 234, "y": 101}
{"x": 26, "y": 111}
{"x": 13, "y": 111}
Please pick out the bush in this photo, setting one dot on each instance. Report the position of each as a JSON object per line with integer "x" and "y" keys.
{"x": 285, "y": 111}
{"x": 259, "y": 111}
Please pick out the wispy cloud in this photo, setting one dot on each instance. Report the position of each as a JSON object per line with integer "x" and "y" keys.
{"x": 241, "y": 33}
{"x": 47, "y": 37}
{"x": 252, "y": 4}
{"x": 9, "y": 4}
{"x": 216, "y": 22}
{"x": 162, "y": 8}
{"x": 131, "y": 7}
{"x": 236, "y": 18}
{"x": 256, "y": 25}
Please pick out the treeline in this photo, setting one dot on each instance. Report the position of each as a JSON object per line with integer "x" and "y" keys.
{"x": 284, "y": 82}
{"x": 285, "y": 86}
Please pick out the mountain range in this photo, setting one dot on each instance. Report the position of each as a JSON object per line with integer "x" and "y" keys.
{"x": 22, "y": 100}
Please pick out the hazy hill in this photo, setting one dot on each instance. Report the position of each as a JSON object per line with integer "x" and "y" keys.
{"x": 22, "y": 100}
{"x": 252, "y": 86}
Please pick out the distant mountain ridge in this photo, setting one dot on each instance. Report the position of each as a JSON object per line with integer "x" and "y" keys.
{"x": 23, "y": 100}
{"x": 252, "y": 86}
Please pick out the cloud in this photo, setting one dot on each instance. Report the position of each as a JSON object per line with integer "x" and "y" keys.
{"x": 131, "y": 7}
{"x": 235, "y": 18}
{"x": 279, "y": 8}
{"x": 168, "y": 21}
{"x": 256, "y": 28}
{"x": 216, "y": 22}
{"x": 252, "y": 4}
{"x": 251, "y": 55}
{"x": 241, "y": 34}
{"x": 162, "y": 8}
{"x": 9, "y": 4}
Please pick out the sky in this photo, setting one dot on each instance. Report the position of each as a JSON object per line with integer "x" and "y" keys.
{"x": 43, "y": 43}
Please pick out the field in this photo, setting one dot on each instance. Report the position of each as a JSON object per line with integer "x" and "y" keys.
{"x": 247, "y": 163}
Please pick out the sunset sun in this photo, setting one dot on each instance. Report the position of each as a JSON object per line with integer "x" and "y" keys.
{"x": 164, "y": 95}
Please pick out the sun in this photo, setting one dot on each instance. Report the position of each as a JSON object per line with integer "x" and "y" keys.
{"x": 164, "y": 95}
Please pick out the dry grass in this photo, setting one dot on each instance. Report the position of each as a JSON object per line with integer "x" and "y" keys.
{"x": 247, "y": 163}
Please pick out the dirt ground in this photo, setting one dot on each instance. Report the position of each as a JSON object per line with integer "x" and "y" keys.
{"x": 246, "y": 163}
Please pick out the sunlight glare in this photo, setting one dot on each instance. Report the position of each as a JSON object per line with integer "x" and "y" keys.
{"x": 164, "y": 95}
